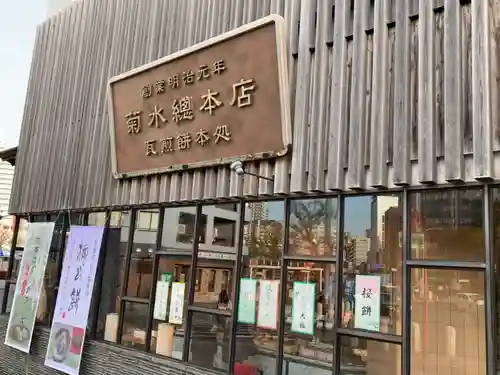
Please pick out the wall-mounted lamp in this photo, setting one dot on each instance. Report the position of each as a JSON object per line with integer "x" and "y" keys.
{"x": 237, "y": 167}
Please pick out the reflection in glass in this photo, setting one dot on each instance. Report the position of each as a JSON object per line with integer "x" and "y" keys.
{"x": 10, "y": 299}
{"x": 447, "y": 322}
{"x": 447, "y": 225}
{"x": 217, "y": 257}
{"x": 256, "y": 343}
{"x": 141, "y": 264}
{"x": 134, "y": 325}
{"x": 114, "y": 266}
{"x": 210, "y": 348}
{"x": 48, "y": 295}
{"x": 313, "y": 224}
{"x": 20, "y": 243}
{"x": 167, "y": 339}
{"x": 97, "y": 219}
{"x": 317, "y": 344}
{"x": 372, "y": 263}
{"x": 370, "y": 357}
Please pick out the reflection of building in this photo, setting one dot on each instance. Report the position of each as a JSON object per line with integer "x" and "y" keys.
{"x": 6, "y": 177}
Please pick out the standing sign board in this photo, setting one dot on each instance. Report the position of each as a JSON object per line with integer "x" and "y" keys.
{"x": 210, "y": 104}
{"x": 29, "y": 286}
{"x": 367, "y": 305}
{"x": 67, "y": 334}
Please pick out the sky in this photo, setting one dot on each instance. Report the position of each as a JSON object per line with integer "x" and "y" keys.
{"x": 17, "y": 37}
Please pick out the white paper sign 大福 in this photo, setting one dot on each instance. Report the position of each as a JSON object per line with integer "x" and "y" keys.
{"x": 29, "y": 286}
{"x": 303, "y": 307}
{"x": 67, "y": 334}
{"x": 176, "y": 313}
{"x": 367, "y": 310}
{"x": 267, "y": 312}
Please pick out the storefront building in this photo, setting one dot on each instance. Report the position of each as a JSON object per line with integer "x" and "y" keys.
{"x": 360, "y": 233}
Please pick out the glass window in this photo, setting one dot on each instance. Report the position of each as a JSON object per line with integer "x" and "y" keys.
{"x": 168, "y": 339}
{"x": 135, "y": 319}
{"x": 372, "y": 253}
{"x": 21, "y": 240}
{"x": 447, "y": 322}
{"x": 141, "y": 264}
{"x": 10, "y": 299}
{"x": 310, "y": 311}
{"x": 114, "y": 265}
{"x": 368, "y": 357}
{"x": 6, "y": 233}
{"x": 209, "y": 347}
{"x": 49, "y": 293}
{"x": 97, "y": 219}
{"x": 178, "y": 230}
{"x": 217, "y": 257}
{"x": 447, "y": 225}
{"x": 257, "y": 336}
{"x": 313, "y": 224}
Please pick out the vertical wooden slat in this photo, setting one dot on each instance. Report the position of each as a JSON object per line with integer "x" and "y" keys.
{"x": 302, "y": 98}
{"x": 401, "y": 149}
{"x": 379, "y": 119}
{"x": 494, "y": 12}
{"x": 427, "y": 164}
{"x": 292, "y": 15}
{"x": 439, "y": 68}
{"x": 355, "y": 178}
{"x": 466, "y": 51}
{"x": 453, "y": 111}
{"x": 481, "y": 97}
{"x": 319, "y": 126}
{"x": 338, "y": 111}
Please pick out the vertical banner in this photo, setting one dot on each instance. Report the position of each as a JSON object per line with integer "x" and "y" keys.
{"x": 29, "y": 286}
{"x": 367, "y": 306}
{"x": 247, "y": 301}
{"x": 303, "y": 307}
{"x": 267, "y": 313}
{"x": 161, "y": 300}
{"x": 67, "y": 335}
{"x": 176, "y": 313}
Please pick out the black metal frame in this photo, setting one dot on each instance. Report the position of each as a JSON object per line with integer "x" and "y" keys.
{"x": 488, "y": 267}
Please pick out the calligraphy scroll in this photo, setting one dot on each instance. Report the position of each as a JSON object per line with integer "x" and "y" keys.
{"x": 67, "y": 334}
{"x": 303, "y": 307}
{"x": 267, "y": 313}
{"x": 29, "y": 286}
{"x": 367, "y": 306}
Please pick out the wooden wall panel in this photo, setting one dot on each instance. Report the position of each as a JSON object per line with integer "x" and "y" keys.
{"x": 383, "y": 93}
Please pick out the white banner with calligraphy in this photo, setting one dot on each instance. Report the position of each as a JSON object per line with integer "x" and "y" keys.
{"x": 67, "y": 334}
{"x": 367, "y": 307}
{"x": 29, "y": 286}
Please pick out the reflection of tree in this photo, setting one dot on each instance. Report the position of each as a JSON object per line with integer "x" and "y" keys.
{"x": 5, "y": 239}
{"x": 265, "y": 240}
{"x": 307, "y": 219}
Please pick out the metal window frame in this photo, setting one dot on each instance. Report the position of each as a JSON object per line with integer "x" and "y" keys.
{"x": 126, "y": 274}
{"x": 97, "y": 293}
{"x": 488, "y": 267}
{"x": 61, "y": 249}
{"x": 154, "y": 276}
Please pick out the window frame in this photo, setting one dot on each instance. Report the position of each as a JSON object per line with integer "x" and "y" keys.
{"x": 408, "y": 263}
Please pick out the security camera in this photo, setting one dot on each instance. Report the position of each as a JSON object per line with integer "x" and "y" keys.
{"x": 237, "y": 167}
